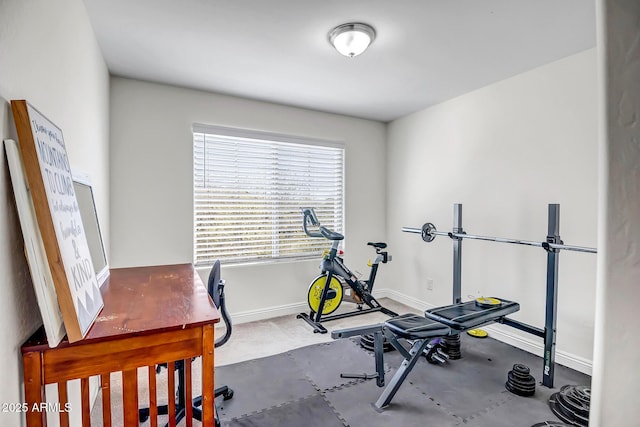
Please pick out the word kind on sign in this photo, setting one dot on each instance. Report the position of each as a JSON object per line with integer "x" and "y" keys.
{"x": 49, "y": 177}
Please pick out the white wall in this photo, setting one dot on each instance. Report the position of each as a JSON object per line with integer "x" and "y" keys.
{"x": 617, "y": 345}
{"x": 505, "y": 152}
{"x": 152, "y": 183}
{"x": 48, "y": 56}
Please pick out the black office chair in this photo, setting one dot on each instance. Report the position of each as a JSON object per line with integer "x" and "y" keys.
{"x": 215, "y": 288}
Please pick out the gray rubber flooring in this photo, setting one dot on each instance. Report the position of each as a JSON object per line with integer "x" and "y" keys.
{"x": 303, "y": 388}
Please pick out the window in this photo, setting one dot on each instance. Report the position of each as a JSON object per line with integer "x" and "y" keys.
{"x": 248, "y": 190}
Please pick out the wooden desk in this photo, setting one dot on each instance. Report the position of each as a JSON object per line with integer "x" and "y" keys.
{"x": 151, "y": 315}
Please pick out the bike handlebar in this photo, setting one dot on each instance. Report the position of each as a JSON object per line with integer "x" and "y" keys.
{"x": 310, "y": 217}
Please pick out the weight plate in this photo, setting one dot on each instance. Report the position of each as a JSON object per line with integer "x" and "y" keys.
{"x": 520, "y": 382}
{"x": 551, "y": 424}
{"x": 427, "y": 232}
{"x": 515, "y": 390}
{"x": 520, "y": 377}
{"x": 519, "y": 368}
{"x": 451, "y": 346}
{"x": 478, "y": 333}
{"x": 571, "y": 404}
{"x": 315, "y": 295}
{"x": 368, "y": 343}
{"x": 527, "y": 383}
{"x": 487, "y": 302}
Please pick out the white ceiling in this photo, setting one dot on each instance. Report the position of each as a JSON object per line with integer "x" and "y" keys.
{"x": 426, "y": 51}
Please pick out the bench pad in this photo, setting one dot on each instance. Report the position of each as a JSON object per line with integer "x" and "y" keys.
{"x": 468, "y": 315}
{"x": 414, "y": 327}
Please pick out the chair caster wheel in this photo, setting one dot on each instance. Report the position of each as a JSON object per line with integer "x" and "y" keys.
{"x": 228, "y": 395}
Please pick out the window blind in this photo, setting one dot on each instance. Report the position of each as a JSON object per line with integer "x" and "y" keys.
{"x": 248, "y": 191}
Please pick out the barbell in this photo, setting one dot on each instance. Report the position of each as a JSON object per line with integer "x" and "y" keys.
{"x": 429, "y": 232}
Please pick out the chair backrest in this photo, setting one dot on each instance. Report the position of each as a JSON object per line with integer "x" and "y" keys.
{"x": 214, "y": 281}
{"x": 215, "y": 288}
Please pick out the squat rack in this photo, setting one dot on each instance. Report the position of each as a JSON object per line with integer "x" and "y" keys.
{"x": 552, "y": 245}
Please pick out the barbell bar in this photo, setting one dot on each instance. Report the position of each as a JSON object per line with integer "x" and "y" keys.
{"x": 429, "y": 232}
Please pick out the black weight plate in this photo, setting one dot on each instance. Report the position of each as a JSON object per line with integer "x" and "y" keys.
{"x": 572, "y": 405}
{"x": 521, "y": 391}
{"x": 551, "y": 424}
{"x": 568, "y": 417}
{"x": 367, "y": 342}
{"x": 451, "y": 346}
{"x": 574, "y": 400}
{"x": 577, "y": 397}
{"x": 521, "y": 369}
{"x": 529, "y": 381}
{"x": 513, "y": 390}
{"x": 521, "y": 377}
{"x": 563, "y": 408}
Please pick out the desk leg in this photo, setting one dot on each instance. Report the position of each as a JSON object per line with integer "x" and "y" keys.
{"x": 86, "y": 403}
{"x": 207, "y": 376}
{"x": 105, "y": 380}
{"x": 33, "y": 388}
{"x": 171, "y": 393}
{"x": 188, "y": 399}
{"x": 64, "y": 400}
{"x": 130, "y": 397}
{"x": 153, "y": 399}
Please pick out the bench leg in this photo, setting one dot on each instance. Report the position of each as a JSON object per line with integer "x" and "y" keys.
{"x": 378, "y": 347}
{"x": 407, "y": 365}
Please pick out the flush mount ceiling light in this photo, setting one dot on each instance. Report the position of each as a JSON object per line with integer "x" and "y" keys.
{"x": 352, "y": 39}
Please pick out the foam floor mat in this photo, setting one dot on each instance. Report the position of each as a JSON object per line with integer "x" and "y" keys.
{"x": 303, "y": 387}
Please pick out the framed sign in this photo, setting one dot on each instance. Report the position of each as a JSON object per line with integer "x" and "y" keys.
{"x": 54, "y": 200}
{"x": 34, "y": 249}
{"x": 87, "y": 206}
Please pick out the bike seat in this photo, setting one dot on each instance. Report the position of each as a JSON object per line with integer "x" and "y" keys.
{"x": 378, "y": 245}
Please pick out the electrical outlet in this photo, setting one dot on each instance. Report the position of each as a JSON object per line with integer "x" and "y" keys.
{"x": 429, "y": 284}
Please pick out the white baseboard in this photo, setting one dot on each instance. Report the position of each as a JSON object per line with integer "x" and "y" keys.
{"x": 298, "y": 307}
{"x": 269, "y": 312}
{"x": 295, "y": 308}
{"x": 569, "y": 360}
{"x": 402, "y": 299}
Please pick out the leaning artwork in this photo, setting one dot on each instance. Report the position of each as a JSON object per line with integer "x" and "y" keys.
{"x": 46, "y": 165}
{"x": 34, "y": 248}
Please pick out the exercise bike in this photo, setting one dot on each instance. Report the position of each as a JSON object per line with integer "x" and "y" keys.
{"x": 337, "y": 282}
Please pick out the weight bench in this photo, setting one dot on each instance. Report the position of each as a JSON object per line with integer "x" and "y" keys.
{"x": 422, "y": 332}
